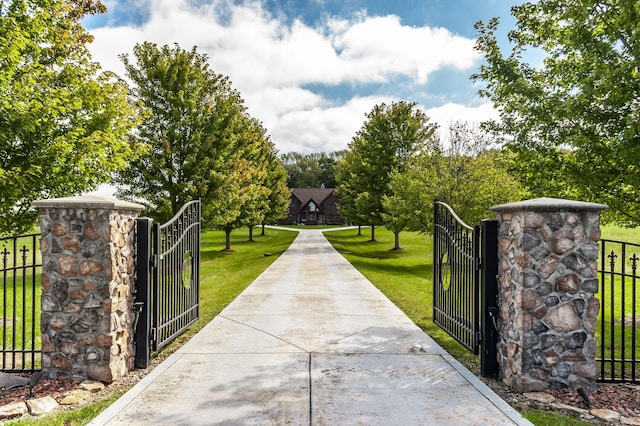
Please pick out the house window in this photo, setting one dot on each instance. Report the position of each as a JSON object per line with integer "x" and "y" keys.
{"x": 312, "y": 207}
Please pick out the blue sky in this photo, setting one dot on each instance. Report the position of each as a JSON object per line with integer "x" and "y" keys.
{"x": 311, "y": 70}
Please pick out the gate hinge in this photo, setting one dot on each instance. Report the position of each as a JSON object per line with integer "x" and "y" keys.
{"x": 478, "y": 338}
{"x": 153, "y": 334}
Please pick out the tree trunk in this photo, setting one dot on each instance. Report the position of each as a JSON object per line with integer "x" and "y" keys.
{"x": 373, "y": 233}
{"x": 250, "y": 233}
{"x": 262, "y": 234}
{"x": 227, "y": 233}
{"x": 359, "y": 229}
{"x": 397, "y": 242}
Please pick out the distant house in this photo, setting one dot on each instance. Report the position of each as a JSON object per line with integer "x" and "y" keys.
{"x": 313, "y": 206}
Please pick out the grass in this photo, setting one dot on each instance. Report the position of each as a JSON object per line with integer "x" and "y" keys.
{"x": 613, "y": 232}
{"x": 77, "y": 417}
{"x": 544, "y": 418}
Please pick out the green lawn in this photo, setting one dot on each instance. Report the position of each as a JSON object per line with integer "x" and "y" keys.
{"x": 612, "y": 232}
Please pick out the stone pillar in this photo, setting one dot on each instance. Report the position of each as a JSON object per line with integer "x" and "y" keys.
{"x": 88, "y": 266}
{"x": 547, "y": 253}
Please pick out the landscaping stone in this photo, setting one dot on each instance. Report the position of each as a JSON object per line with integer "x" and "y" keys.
{"x": 41, "y": 406}
{"x": 632, "y": 421}
{"x": 75, "y": 397}
{"x": 540, "y": 397}
{"x": 13, "y": 410}
{"x": 92, "y": 386}
{"x": 10, "y": 381}
{"x": 580, "y": 411}
{"x": 606, "y": 415}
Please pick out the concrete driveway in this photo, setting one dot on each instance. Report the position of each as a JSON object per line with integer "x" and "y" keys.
{"x": 310, "y": 342}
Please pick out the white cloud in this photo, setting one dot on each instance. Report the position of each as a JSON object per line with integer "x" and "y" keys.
{"x": 448, "y": 113}
{"x": 380, "y": 46}
{"x": 269, "y": 61}
{"x": 323, "y": 129}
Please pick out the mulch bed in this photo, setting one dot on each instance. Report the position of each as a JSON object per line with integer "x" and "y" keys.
{"x": 622, "y": 398}
{"x": 55, "y": 388}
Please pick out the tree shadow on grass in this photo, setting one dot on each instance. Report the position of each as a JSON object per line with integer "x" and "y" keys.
{"x": 421, "y": 271}
{"x": 214, "y": 249}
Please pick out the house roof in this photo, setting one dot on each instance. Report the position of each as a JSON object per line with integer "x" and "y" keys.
{"x": 318, "y": 195}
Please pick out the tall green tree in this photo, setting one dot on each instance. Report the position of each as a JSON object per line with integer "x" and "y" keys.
{"x": 303, "y": 171}
{"x": 195, "y": 125}
{"x": 311, "y": 170}
{"x": 64, "y": 124}
{"x": 573, "y": 121}
{"x": 276, "y": 182}
{"x": 390, "y": 137}
{"x": 255, "y": 152}
{"x": 461, "y": 170}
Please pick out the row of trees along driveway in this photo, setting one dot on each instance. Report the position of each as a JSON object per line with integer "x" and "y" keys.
{"x": 179, "y": 132}
{"x": 399, "y": 162}
{"x": 569, "y": 125}
{"x": 201, "y": 142}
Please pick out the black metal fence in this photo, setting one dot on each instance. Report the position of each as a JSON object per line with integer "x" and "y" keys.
{"x": 21, "y": 269}
{"x": 168, "y": 279}
{"x": 618, "y": 322}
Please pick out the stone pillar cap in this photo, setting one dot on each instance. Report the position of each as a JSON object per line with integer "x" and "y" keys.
{"x": 88, "y": 202}
{"x": 549, "y": 205}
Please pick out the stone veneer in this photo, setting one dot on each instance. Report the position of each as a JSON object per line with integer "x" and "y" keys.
{"x": 547, "y": 253}
{"x": 87, "y": 282}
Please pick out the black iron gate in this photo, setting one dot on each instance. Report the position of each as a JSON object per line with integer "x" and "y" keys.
{"x": 465, "y": 268}
{"x": 168, "y": 280}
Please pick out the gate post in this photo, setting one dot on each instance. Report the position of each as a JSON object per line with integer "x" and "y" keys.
{"x": 489, "y": 299}
{"x": 142, "y": 302}
{"x": 548, "y": 252}
{"x": 87, "y": 281}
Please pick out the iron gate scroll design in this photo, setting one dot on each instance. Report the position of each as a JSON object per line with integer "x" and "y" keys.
{"x": 465, "y": 269}
{"x": 168, "y": 280}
